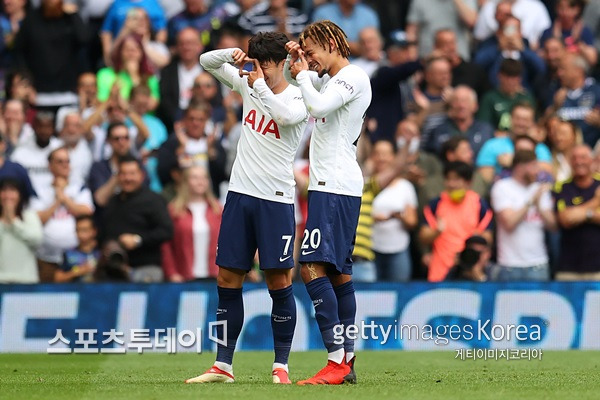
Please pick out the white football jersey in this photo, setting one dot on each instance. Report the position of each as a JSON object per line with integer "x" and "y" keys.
{"x": 339, "y": 111}
{"x": 272, "y": 126}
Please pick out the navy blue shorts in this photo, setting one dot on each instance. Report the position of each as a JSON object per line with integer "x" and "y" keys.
{"x": 330, "y": 230}
{"x": 250, "y": 223}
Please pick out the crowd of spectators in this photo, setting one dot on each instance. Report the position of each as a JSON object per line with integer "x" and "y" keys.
{"x": 480, "y": 150}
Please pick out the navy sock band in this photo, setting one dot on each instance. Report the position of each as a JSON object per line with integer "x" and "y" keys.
{"x": 326, "y": 310}
{"x": 346, "y": 310}
{"x": 231, "y": 310}
{"x": 283, "y": 322}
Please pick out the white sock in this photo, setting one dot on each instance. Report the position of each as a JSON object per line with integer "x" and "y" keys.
{"x": 280, "y": 366}
{"x": 336, "y": 356}
{"x": 349, "y": 356}
{"x": 225, "y": 367}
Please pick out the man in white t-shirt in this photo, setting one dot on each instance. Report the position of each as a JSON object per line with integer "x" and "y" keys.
{"x": 71, "y": 133}
{"x": 33, "y": 154}
{"x": 523, "y": 209}
{"x": 58, "y": 205}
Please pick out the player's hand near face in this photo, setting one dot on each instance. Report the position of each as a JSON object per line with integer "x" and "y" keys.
{"x": 256, "y": 73}
{"x": 300, "y": 65}
{"x": 294, "y": 50}
{"x": 239, "y": 57}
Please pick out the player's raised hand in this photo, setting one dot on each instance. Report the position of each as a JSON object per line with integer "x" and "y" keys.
{"x": 293, "y": 49}
{"x": 300, "y": 65}
{"x": 255, "y": 74}
{"x": 239, "y": 57}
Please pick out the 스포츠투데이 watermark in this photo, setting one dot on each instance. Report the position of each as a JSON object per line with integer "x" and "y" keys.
{"x": 114, "y": 342}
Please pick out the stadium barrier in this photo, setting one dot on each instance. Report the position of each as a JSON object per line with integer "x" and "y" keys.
{"x": 412, "y": 316}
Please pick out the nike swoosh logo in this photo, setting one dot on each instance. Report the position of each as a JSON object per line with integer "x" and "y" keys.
{"x": 282, "y": 259}
{"x": 305, "y": 253}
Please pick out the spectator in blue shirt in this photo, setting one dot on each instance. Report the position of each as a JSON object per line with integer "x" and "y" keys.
{"x": 117, "y": 14}
{"x": 351, "y": 16}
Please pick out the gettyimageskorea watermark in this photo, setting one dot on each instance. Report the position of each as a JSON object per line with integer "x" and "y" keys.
{"x": 167, "y": 340}
{"x": 439, "y": 334}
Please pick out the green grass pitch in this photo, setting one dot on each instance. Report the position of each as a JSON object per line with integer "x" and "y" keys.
{"x": 382, "y": 375}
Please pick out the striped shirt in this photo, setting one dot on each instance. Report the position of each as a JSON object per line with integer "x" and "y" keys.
{"x": 257, "y": 19}
{"x": 363, "y": 246}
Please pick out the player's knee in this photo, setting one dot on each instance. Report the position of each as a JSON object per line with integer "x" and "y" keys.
{"x": 278, "y": 279}
{"x": 312, "y": 271}
{"x": 339, "y": 279}
{"x": 228, "y": 278}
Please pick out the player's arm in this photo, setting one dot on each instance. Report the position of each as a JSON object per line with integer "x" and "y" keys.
{"x": 319, "y": 105}
{"x": 314, "y": 77}
{"x": 217, "y": 62}
{"x": 283, "y": 114}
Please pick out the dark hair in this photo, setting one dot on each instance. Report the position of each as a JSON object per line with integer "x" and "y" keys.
{"x": 13, "y": 183}
{"x": 82, "y": 218}
{"x": 526, "y": 138}
{"x": 268, "y": 46}
{"x": 117, "y": 62}
{"x": 510, "y": 67}
{"x": 321, "y": 32}
{"x": 203, "y": 106}
{"x": 112, "y": 126}
{"x": 523, "y": 157}
{"x": 128, "y": 158}
{"x": 451, "y": 145}
{"x": 463, "y": 170}
{"x": 476, "y": 239}
{"x": 10, "y": 80}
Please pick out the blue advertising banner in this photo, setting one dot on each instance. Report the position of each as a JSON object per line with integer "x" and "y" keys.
{"x": 411, "y": 316}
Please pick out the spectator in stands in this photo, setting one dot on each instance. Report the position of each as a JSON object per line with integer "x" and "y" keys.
{"x": 13, "y": 124}
{"x": 58, "y": 205}
{"x": 80, "y": 156}
{"x": 390, "y": 88}
{"x": 570, "y": 28}
{"x": 510, "y": 44}
{"x": 49, "y": 44}
{"x": 532, "y": 14}
{"x": 578, "y": 99}
{"x": 577, "y": 205}
{"x": 460, "y": 120}
{"x": 364, "y": 269}
{"x": 497, "y": 104}
{"x": 426, "y": 17}
{"x": 473, "y": 262}
{"x": 140, "y": 102}
{"x": 19, "y": 86}
{"x": 199, "y": 16}
{"x": 130, "y": 68}
{"x": 206, "y": 90}
{"x": 497, "y": 152}
{"x": 565, "y": 137}
{"x": 21, "y": 233}
{"x": 273, "y": 16}
{"x": 196, "y": 215}
{"x": 33, "y": 154}
{"x": 350, "y": 15}
{"x": 451, "y": 218}
{"x": 433, "y": 100}
{"x": 79, "y": 263}
{"x": 463, "y": 72}
{"x": 192, "y": 145}
{"x": 138, "y": 220}
{"x": 371, "y": 50}
{"x": 394, "y": 215}
{"x": 138, "y": 24}
{"x": 524, "y": 211}
{"x": 177, "y": 78}
{"x": 103, "y": 180}
{"x": 116, "y": 19}
{"x": 546, "y": 85}
{"x": 10, "y": 23}
{"x": 9, "y": 169}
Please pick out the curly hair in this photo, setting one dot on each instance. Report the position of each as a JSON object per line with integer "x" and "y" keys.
{"x": 321, "y": 32}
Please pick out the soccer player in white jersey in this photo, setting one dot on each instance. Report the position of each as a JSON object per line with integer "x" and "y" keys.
{"x": 337, "y": 94}
{"x": 259, "y": 210}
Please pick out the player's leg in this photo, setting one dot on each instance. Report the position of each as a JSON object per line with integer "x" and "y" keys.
{"x": 344, "y": 292}
{"x": 283, "y": 320}
{"x": 275, "y": 231}
{"x": 318, "y": 255}
{"x": 236, "y": 248}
